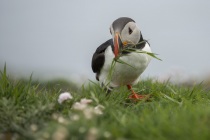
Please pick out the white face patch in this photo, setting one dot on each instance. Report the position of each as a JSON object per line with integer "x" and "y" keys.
{"x": 130, "y": 33}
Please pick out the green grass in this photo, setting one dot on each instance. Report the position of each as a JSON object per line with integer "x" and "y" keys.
{"x": 30, "y": 110}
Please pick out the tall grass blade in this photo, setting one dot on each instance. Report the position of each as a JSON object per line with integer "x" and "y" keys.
{"x": 171, "y": 99}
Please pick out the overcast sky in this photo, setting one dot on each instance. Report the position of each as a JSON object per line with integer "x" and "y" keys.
{"x": 57, "y": 38}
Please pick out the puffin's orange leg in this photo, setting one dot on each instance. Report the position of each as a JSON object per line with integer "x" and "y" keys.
{"x": 134, "y": 95}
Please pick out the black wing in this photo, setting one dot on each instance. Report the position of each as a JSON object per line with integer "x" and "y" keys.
{"x": 98, "y": 58}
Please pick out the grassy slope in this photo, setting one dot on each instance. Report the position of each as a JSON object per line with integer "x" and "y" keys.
{"x": 30, "y": 112}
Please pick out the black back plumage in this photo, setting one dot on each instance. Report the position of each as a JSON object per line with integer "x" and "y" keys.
{"x": 98, "y": 58}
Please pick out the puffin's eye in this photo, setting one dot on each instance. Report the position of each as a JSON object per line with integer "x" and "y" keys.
{"x": 130, "y": 31}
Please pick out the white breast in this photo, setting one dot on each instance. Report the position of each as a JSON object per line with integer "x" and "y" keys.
{"x": 123, "y": 74}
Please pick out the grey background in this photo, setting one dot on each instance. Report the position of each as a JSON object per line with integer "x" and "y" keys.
{"x": 57, "y": 38}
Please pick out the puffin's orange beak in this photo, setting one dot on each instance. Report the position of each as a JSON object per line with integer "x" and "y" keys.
{"x": 116, "y": 44}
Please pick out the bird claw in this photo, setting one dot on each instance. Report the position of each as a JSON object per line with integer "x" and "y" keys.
{"x": 136, "y": 96}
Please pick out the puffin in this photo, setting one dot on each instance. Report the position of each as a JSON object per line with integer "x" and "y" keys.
{"x": 119, "y": 61}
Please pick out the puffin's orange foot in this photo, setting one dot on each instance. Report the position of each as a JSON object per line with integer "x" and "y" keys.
{"x": 137, "y": 96}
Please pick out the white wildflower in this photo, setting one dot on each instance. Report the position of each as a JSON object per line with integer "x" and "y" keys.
{"x": 75, "y": 117}
{"x": 79, "y": 106}
{"x": 64, "y": 96}
{"x": 85, "y": 101}
{"x": 55, "y": 116}
{"x": 60, "y": 134}
{"x": 34, "y": 127}
{"x": 61, "y": 119}
{"x": 88, "y": 113}
{"x": 92, "y": 134}
{"x": 98, "y": 109}
{"x": 82, "y": 104}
